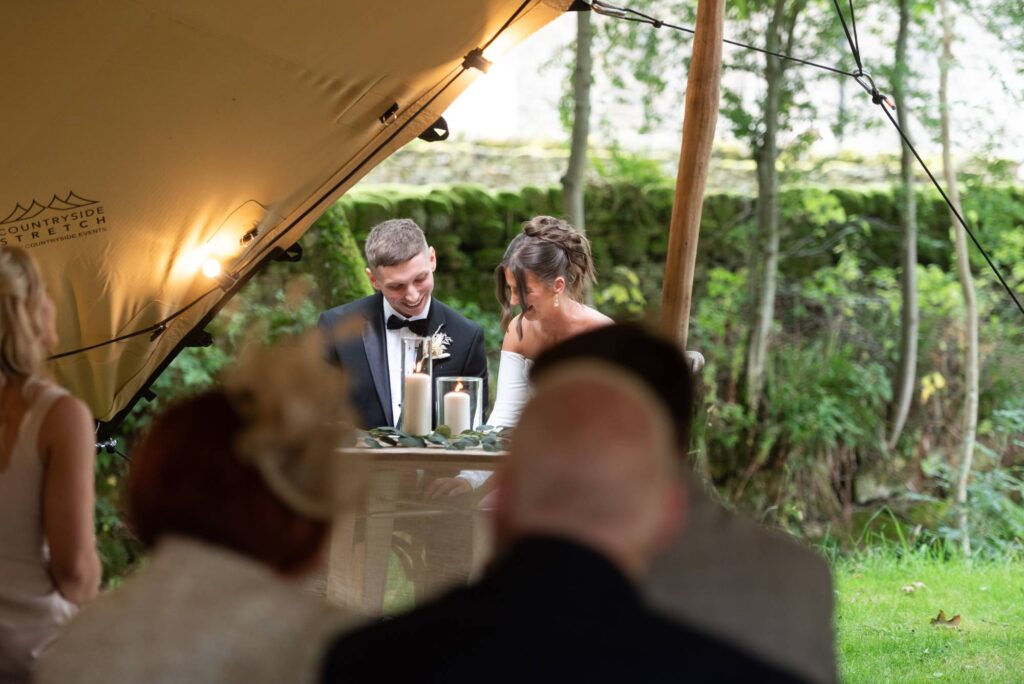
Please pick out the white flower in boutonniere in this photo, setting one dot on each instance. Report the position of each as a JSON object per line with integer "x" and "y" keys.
{"x": 439, "y": 342}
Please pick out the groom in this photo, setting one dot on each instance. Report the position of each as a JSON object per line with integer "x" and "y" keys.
{"x": 401, "y": 268}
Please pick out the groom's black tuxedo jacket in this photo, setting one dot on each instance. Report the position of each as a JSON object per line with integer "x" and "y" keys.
{"x": 365, "y": 358}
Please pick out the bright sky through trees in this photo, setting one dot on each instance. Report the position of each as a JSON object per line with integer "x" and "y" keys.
{"x": 518, "y": 99}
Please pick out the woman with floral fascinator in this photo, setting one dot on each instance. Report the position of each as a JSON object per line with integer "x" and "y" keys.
{"x": 234, "y": 490}
{"x": 48, "y": 560}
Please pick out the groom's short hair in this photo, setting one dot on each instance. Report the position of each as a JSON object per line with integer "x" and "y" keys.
{"x": 393, "y": 242}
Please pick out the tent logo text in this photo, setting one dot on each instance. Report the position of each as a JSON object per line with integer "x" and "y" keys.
{"x": 61, "y": 218}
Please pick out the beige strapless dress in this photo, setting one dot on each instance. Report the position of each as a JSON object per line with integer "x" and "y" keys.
{"x": 31, "y": 610}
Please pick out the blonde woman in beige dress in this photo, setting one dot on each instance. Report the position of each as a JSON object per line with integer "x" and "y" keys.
{"x": 48, "y": 559}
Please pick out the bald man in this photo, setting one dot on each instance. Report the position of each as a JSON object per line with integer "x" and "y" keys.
{"x": 587, "y": 498}
{"x": 723, "y": 573}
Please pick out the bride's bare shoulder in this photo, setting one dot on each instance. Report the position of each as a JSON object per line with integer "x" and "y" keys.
{"x": 591, "y": 319}
{"x": 596, "y": 319}
{"x": 514, "y": 342}
{"x": 529, "y": 344}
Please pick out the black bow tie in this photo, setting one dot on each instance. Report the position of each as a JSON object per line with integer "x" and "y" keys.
{"x": 419, "y": 326}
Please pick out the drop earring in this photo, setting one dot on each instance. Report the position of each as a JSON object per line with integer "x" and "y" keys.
{"x": 556, "y": 301}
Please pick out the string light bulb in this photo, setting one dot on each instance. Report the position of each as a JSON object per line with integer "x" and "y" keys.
{"x": 211, "y": 267}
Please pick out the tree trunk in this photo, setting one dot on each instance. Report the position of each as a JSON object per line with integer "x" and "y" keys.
{"x": 574, "y": 180}
{"x": 963, "y": 267}
{"x": 700, "y": 116}
{"x": 767, "y": 216}
{"x": 903, "y": 382}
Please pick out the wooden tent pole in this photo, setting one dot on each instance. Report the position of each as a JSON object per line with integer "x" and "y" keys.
{"x": 699, "y": 119}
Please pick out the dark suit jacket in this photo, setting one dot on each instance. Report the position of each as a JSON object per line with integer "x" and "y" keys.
{"x": 549, "y": 611}
{"x": 365, "y": 357}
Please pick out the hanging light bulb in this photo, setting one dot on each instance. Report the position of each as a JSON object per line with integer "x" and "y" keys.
{"x": 211, "y": 267}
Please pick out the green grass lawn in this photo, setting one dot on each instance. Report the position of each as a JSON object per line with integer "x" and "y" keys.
{"x": 885, "y": 634}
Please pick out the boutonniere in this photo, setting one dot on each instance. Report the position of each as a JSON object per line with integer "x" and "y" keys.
{"x": 439, "y": 342}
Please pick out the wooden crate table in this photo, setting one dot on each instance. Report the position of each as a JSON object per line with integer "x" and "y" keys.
{"x": 441, "y": 542}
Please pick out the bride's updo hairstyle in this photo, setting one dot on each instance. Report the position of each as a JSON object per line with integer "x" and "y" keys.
{"x": 547, "y": 248}
{"x": 21, "y": 297}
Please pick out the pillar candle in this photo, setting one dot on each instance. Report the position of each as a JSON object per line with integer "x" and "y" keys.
{"x": 416, "y": 416}
{"x": 456, "y": 411}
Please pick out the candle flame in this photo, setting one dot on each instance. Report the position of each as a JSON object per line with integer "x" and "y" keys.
{"x": 419, "y": 366}
{"x": 458, "y": 386}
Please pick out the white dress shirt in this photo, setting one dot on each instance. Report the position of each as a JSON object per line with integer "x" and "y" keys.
{"x": 393, "y": 339}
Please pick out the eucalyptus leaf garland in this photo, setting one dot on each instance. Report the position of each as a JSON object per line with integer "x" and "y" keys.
{"x": 485, "y": 438}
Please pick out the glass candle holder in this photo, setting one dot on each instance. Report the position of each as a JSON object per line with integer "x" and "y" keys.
{"x": 459, "y": 402}
{"x": 417, "y": 366}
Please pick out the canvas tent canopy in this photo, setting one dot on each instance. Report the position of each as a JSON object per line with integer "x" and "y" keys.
{"x": 144, "y": 137}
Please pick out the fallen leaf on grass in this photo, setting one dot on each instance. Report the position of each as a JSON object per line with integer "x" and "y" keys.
{"x": 912, "y": 587}
{"x": 941, "y": 621}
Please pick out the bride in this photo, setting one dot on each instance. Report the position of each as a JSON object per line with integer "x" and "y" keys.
{"x": 544, "y": 272}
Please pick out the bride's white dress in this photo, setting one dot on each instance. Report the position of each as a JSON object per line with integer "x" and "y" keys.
{"x": 513, "y": 393}
{"x": 513, "y": 389}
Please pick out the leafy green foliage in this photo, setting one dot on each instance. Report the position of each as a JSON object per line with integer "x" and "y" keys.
{"x": 623, "y": 298}
{"x": 803, "y": 461}
{"x": 117, "y": 548}
{"x": 996, "y": 495}
{"x": 334, "y": 259}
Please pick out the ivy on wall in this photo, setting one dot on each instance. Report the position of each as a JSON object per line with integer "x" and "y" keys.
{"x": 470, "y": 227}
{"x": 837, "y": 310}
